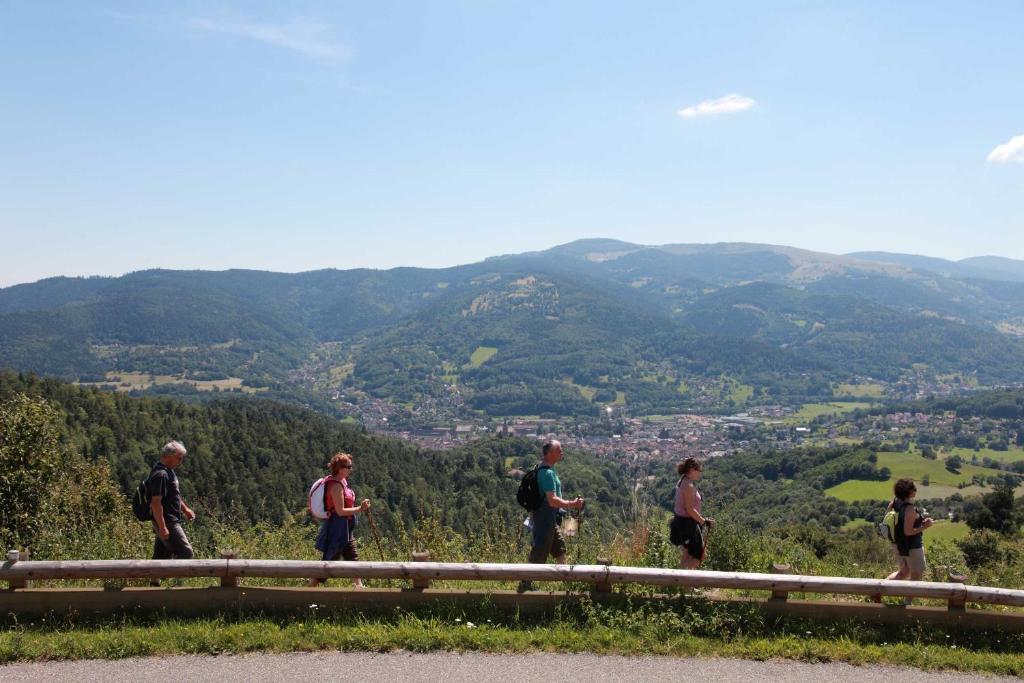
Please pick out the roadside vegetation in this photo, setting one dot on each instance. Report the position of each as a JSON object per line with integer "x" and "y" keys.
{"x": 687, "y": 628}
{"x": 769, "y": 507}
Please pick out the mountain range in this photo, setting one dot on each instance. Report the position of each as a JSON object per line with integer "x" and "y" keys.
{"x": 561, "y": 331}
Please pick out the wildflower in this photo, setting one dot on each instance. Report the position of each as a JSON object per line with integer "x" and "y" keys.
{"x": 470, "y": 624}
{"x": 314, "y": 606}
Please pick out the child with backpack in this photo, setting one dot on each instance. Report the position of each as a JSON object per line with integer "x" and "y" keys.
{"x": 334, "y": 503}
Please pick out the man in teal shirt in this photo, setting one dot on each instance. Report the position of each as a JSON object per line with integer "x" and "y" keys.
{"x": 546, "y": 538}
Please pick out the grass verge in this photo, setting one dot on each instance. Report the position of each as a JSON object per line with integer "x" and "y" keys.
{"x": 690, "y": 628}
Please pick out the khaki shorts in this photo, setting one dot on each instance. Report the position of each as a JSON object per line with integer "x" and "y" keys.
{"x": 914, "y": 560}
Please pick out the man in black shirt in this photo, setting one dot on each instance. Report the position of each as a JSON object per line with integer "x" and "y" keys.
{"x": 168, "y": 507}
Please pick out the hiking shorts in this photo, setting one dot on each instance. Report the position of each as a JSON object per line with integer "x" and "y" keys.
{"x": 916, "y": 562}
{"x": 175, "y": 547}
{"x": 348, "y": 553}
{"x": 552, "y": 544}
{"x": 691, "y": 540}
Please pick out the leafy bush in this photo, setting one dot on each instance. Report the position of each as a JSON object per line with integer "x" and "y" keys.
{"x": 56, "y": 502}
{"x": 980, "y": 548}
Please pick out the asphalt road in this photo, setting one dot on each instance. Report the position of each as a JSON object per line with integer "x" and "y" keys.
{"x": 400, "y": 667}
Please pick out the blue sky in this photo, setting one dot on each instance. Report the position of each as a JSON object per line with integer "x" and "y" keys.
{"x": 299, "y": 135}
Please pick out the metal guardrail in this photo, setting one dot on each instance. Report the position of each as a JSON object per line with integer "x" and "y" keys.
{"x": 230, "y": 570}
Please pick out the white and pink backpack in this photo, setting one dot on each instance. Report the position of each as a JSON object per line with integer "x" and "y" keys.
{"x": 317, "y": 492}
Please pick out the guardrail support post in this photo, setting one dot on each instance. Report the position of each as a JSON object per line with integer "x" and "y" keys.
{"x": 421, "y": 556}
{"x": 778, "y": 568}
{"x": 227, "y": 581}
{"x": 958, "y": 603}
{"x": 603, "y": 586}
{"x": 13, "y": 556}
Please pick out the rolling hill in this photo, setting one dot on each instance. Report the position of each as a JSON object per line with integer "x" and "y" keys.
{"x": 567, "y": 329}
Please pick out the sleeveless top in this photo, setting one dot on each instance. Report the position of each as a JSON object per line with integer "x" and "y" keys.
{"x": 906, "y": 543}
{"x": 680, "y": 507}
{"x": 348, "y": 495}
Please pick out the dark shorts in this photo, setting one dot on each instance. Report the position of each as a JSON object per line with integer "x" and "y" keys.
{"x": 335, "y": 539}
{"x": 175, "y": 547}
{"x": 550, "y": 544}
{"x": 687, "y": 534}
{"x": 347, "y": 553}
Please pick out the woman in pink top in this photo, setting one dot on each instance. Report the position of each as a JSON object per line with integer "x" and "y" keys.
{"x": 688, "y": 525}
{"x": 335, "y": 539}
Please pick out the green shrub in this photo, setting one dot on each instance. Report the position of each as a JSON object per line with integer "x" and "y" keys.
{"x": 981, "y": 548}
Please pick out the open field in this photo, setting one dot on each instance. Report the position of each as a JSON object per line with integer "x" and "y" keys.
{"x": 809, "y": 411}
{"x": 943, "y": 530}
{"x": 587, "y": 392}
{"x": 1014, "y": 454}
{"x": 912, "y": 464}
{"x": 866, "y": 390}
{"x": 856, "y": 489}
{"x": 741, "y": 393}
{"x": 480, "y": 356}
{"x": 140, "y": 381}
{"x": 943, "y": 483}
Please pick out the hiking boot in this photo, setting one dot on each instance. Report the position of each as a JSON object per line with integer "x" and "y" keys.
{"x": 524, "y": 586}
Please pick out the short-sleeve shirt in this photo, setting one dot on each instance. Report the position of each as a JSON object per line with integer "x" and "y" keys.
{"x": 163, "y": 482}
{"x": 547, "y": 480}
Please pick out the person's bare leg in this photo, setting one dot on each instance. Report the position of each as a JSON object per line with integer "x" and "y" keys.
{"x": 689, "y": 562}
{"x": 900, "y": 574}
{"x": 357, "y": 582}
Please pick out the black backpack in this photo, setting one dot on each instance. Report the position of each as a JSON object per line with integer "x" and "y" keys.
{"x": 140, "y": 503}
{"x": 529, "y": 495}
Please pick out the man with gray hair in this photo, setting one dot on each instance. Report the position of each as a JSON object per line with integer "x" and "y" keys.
{"x": 168, "y": 507}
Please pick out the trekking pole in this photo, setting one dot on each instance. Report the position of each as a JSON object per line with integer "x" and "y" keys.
{"x": 707, "y": 535}
{"x": 376, "y": 534}
{"x": 376, "y": 538}
{"x": 579, "y": 530}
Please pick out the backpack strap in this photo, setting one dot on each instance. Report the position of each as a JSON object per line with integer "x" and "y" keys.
{"x": 327, "y": 484}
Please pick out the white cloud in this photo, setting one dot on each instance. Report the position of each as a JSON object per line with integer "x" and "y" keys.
{"x": 301, "y": 36}
{"x": 729, "y": 104}
{"x": 1009, "y": 151}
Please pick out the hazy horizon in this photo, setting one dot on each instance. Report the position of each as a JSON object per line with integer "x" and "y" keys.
{"x": 448, "y": 265}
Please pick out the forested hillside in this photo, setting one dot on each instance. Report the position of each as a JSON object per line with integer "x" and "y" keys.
{"x": 253, "y": 460}
{"x": 560, "y": 332}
